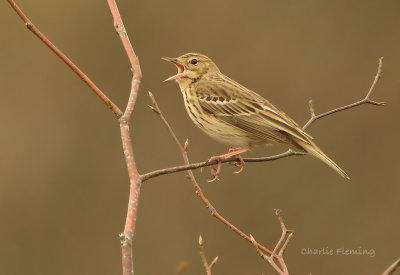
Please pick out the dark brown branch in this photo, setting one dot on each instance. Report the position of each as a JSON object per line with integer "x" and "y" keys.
{"x": 114, "y": 108}
{"x": 197, "y": 165}
{"x": 392, "y": 268}
{"x": 192, "y": 166}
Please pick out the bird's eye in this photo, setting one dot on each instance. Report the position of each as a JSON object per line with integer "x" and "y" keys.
{"x": 193, "y": 61}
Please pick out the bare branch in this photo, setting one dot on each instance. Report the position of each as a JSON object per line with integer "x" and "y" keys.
{"x": 207, "y": 266}
{"x": 133, "y": 59}
{"x": 214, "y": 261}
{"x": 266, "y": 257}
{"x": 392, "y": 268}
{"x": 114, "y": 108}
{"x": 282, "y": 244}
{"x": 196, "y": 186}
{"x": 197, "y": 165}
{"x": 365, "y": 100}
{"x": 135, "y": 181}
{"x": 134, "y": 177}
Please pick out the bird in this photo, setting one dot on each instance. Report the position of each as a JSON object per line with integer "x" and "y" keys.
{"x": 235, "y": 115}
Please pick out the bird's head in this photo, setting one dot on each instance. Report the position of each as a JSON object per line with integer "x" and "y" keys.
{"x": 191, "y": 67}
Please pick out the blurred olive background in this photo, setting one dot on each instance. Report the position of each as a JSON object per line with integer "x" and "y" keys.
{"x": 63, "y": 181}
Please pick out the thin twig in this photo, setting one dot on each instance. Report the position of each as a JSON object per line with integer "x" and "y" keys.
{"x": 313, "y": 118}
{"x": 365, "y": 100}
{"x": 126, "y": 237}
{"x": 134, "y": 177}
{"x": 207, "y": 266}
{"x": 133, "y": 59}
{"x": 196, "y": 186}
{"x": 392, "y": 268}
{"x": 197, "y": 165}
{"x": 285, "y": 238}
{"x": 114, "y": 108}
{"x": 264, "y": 256}
{"x": 283, "y": 246}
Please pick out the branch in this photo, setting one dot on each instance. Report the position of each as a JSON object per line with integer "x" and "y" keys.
{"x": 133, "y": 59}
{"x": 134, "y": 177}
{"x": 114, "y": 108}
{"x": 392, "y": 268}
{"x": 365, "y": 100}
{"x": 285, "y": 236}
{"x": 198, "y": 191}
{"x": 207, "y": 266}
{"x": 192, "y": 166}
{"x": 124, "y": 118}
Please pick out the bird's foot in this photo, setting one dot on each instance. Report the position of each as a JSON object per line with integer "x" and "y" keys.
{"x": 232, "y": 152}
{"x": 238, "y": 163}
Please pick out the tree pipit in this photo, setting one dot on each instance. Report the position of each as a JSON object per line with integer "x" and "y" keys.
{"x": 234, "y": 115}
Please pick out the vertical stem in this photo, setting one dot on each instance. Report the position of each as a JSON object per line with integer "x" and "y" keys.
{"x": 134, "y": 177}
{"x": 134, "y": 192}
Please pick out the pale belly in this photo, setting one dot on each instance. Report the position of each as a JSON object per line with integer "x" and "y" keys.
{"x": 221, "y": 131}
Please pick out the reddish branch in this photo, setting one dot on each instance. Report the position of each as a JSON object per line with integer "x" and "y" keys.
{"x": 134, "y": 177}
{"x": 123, "y": 118}
{"x": 281, "y": 245}
{"x": 198, "y": 191}
{"x": 67, "y": 61}
{"x": 207, "y": 266}
{"x": 313, "y": 118}
{"x": 282, "y": 269}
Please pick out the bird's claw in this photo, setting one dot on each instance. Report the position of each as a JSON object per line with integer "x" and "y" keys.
{"x": 215, "y": 173}
{"x": 238, "y": 163}
{"x": 240, "y": 170}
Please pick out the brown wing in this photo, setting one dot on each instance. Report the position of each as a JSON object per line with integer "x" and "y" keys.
{"x": 247, "y": 111}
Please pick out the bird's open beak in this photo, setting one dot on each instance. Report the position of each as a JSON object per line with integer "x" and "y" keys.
{"x": 180, "y": 67}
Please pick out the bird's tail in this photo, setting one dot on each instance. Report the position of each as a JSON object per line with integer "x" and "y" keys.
{"x": 313, "y": 150}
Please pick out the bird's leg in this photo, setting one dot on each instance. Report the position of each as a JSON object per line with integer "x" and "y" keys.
{"x": 232, "y": 152}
